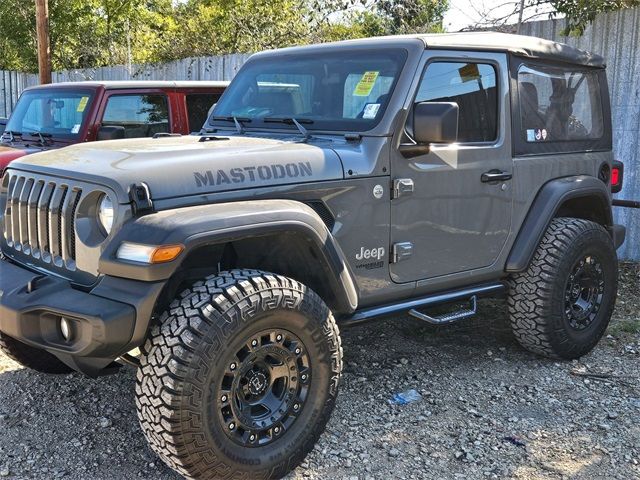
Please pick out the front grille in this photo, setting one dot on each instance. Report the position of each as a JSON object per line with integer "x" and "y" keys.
{"x": 39, "y": 219}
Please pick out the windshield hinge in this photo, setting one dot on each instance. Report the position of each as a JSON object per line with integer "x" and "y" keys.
{"x": 140, "y": 197}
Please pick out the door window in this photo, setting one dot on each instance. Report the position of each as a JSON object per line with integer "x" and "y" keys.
{"x": 140, "y": 115}
{"x": 198, "y": 105}
{"x": 473, "y": 87}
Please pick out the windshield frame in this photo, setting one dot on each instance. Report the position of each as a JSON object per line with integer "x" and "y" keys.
{"x": 354, "y": 125}
{"x": 79, "y": 91}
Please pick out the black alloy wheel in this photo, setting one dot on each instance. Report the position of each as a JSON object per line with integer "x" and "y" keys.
{"x": 584, "y": 292}
{"x": 264, "y": 387}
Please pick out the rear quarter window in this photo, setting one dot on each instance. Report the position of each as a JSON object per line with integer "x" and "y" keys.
{"x": 559, "y": 104}
{"x": 198, "y": 106}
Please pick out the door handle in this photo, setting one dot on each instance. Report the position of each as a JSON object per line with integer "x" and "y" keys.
{"x": 495, "y": 176}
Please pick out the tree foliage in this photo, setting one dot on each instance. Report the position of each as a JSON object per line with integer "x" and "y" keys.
{"x": 94, "y": 33}
{"x": 580, "y": 13}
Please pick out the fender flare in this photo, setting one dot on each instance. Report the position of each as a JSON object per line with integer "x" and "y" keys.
{"x": 198, "y": 226}
{"x": 544, "y": 208}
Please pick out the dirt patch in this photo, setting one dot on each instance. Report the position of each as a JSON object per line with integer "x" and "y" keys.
{"x": 488, "y": 409}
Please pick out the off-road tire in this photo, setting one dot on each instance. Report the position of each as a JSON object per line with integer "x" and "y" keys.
{"x": 536, "y": 299}
{"x": 33, "y": 358}
{"x": 184, "y": 358}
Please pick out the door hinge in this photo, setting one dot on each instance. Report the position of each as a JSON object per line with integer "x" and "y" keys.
{"x": 401, "y": 251}
{"x": 402, "y": 186}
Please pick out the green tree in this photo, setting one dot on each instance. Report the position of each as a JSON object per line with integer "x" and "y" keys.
{"x": 580, "y": 13}
{"x": 84, "y": 33}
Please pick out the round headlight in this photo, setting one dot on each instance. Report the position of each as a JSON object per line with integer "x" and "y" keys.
{"x": 105, "y": 213}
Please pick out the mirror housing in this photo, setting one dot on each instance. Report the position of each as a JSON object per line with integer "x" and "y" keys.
{"x": 111, "y": 132}
{"x": 435, "y": 122}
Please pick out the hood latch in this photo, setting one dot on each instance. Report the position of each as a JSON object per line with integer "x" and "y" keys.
{"x": 140, "y": 197}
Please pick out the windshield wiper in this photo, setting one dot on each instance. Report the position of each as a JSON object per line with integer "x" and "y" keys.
{"x": 41, "y": 136}
{"x": 12, "y": 135}
{"x": 236, "y": 120}
{"x": 293, "y": 121}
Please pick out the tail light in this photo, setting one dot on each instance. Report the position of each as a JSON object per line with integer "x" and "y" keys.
{"x": 617, "y": 176}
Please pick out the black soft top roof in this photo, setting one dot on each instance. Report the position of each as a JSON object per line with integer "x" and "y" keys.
{"x": 520, "y": 45}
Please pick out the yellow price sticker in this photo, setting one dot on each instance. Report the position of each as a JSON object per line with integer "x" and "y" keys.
{"x": 82, "y": 104}
{"x": 366, "y": 83}
{"x": 469, "y": 72}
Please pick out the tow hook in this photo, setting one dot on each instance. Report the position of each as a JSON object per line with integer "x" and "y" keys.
{"x": 33, "y": 283}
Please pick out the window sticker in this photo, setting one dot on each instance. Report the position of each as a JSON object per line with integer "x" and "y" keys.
{"x": 76, "y": 128}
{"x": 366, "y": 83}
{"x": 537, "y": 134}
{"x": 469, "y": 72}
{"x": 371, "y": 110}
{"x": 531, "y": 135}
{"x": 82, "y": 104}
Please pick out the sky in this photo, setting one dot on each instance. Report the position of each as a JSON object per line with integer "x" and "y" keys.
{"x": 465, "y": 13}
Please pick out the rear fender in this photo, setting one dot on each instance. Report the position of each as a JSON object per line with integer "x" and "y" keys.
{"x": 580, "y": 196}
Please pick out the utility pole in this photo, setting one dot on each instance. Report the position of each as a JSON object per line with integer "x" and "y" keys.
{"x": 42, "y": 32}
{"x": 520, "y": 15}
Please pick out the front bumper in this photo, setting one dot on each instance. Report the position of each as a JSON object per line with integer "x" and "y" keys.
{"x": 106, "y": 322}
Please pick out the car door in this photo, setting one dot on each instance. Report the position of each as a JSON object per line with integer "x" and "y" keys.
{"x": 452, "y": 204}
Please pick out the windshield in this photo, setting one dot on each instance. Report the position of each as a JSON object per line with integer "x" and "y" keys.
{"x": 343, "y": 91}
{"x": 56, "y": 112}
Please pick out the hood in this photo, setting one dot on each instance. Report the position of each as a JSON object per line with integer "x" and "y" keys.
{"x": 181, "y": 166}
{"x": 8, "y": 154}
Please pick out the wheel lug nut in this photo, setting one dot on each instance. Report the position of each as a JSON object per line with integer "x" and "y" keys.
{"x": 304, "y": 376}
{"x": 254, "y": 343}
{"x": 279, "y": 337}
{"x": 233, "y": 366}
{"x": 223, "y": 398}
{"x": 298, "y": 351}
{"x": 232, "y": 426}
{"x": 296, "y": 407}
{"x": 276, "y": 430}
{"x": 252, "y": 438}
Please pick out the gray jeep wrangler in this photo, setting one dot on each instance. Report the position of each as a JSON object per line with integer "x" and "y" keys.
{"x": 333, "y": 184}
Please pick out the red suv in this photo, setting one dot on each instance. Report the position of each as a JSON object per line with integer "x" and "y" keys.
{"x": 60, "y": 114}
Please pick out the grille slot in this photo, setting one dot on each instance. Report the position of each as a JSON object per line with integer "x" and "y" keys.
{"x": 40, "y": 219}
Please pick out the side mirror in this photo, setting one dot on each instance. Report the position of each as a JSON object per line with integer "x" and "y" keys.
{"x": 112, "y": 132}
{"x": 435, "y": 122}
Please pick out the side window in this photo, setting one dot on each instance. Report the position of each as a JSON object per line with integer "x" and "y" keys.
{"x": 198, "y": 105}
{"x": 559, "y": 105}
{"x": 473, "y": 87}
{"x": 140, "y": 115}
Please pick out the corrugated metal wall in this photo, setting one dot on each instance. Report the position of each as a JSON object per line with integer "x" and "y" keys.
{"x": 615, "y": 35}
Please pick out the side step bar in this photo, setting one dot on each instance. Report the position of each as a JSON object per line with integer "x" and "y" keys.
{"x": 471, "y": 293}
{"x": 448, "y": 317}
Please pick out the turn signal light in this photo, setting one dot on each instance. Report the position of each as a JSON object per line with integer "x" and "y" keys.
{"x": 136, "y": 252}
{"x": 166, "y": 254}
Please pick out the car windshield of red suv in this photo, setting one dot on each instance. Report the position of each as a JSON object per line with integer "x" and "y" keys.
{"x": 52, "y": 114}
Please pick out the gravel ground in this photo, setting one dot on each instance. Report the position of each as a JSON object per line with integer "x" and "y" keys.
{"x": 488, "y": 409}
